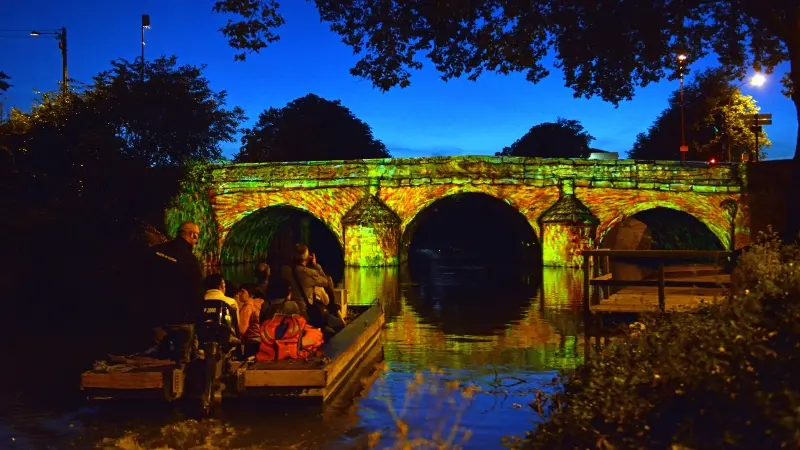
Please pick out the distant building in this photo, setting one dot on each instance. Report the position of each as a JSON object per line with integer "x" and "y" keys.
{"x": 596, "y": 153}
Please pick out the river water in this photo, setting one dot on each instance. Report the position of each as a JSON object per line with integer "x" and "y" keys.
{"x": 464, "y": 348}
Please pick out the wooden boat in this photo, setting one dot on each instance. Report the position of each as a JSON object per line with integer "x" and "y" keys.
{"x": 316, "y": 378}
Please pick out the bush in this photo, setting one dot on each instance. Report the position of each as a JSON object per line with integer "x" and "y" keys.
{"x": 724, "y": 376}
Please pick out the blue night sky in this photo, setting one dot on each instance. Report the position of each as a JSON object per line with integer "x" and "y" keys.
{"x": 429, "y": 118}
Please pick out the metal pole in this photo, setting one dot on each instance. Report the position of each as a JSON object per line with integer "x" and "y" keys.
{"x": 683, "y": 123}
{"x": 758, "y": 132}
{"x": 141, "y": 63}
{"x": 62, "y": 44}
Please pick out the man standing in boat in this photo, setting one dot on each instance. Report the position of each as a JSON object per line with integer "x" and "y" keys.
{"x": 179, "y": 291}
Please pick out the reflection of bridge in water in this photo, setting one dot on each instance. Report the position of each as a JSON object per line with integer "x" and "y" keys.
{"x": 545, "y": 333}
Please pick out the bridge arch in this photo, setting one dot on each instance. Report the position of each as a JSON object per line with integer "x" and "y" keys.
{"x": 717, "y": 224}
{"x": 254, "y": 235}
{"x": 423, "y": 211}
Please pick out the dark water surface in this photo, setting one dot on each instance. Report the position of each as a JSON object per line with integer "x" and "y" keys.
{"x": 464, "y": 349}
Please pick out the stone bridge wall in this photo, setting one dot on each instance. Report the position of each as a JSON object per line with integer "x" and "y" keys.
{"x": 371, "y": 205}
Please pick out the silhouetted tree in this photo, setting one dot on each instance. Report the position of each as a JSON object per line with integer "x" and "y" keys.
{"x": 605, "y": 48}
{"x": 713, "y": 107}
{"x": 563, "y": 138}
{"x": 309, "y": 128}
{"x": 4, "y": 85}
{"x": 169, "y": 118}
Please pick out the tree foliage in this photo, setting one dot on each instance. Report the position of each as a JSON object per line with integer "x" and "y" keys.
{"x": 715, "y": 117}
{"x": 605, "y": 48}
{"x": 723, "y": 377}
{"x": 563, "y": 138}
{"x": 309, "y": 128}
{"x": 169, "y": 118}
{"x": 4, "y": 84}
{"x": 74, "y": 144}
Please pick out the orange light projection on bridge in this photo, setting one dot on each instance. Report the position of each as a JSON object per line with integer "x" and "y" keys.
{"x": 610, "y": 191}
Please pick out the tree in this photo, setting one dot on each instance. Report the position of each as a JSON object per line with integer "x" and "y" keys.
{"x": 715, "y": 113}
{"x": 605, "y": 48}
{"x": 309, "y": 128}
{"x": 560, "y": 139}
{"x": 170, "y": 117}
{"x": 4, "y": 85}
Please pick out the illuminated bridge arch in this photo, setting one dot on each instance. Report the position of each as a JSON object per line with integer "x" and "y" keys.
{"x": 250, "y": 238}
{"x": 715, "y": 218}
{"x": 414, "y": 214}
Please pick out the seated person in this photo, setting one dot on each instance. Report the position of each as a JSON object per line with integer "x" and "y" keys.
{"x": 249, "y": 312}
{"x": 308, "y": 282}
{"x": 263, "y": 273}
{"x": 215, "y": 290}
{"x": 287, "y": 335}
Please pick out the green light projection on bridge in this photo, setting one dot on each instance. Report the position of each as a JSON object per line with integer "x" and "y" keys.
{"x": 250, "y": 238}
{"x": 611, "y": 190}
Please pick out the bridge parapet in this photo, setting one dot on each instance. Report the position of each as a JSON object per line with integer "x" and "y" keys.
{"x": 539, "y": 172}
{"x": 334, "y": 191}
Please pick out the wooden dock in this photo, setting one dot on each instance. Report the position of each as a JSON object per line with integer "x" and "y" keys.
{"x": 676, "y": 287}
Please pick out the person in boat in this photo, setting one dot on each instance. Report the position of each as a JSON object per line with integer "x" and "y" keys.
{"x": 249, "y": 317}
{"x": 308, "y": 282}
{"x": 178, "y": 291}
{"x": 263, "y": 273}
{"x": 288, "y": 336}
{"x": 215, "y": 290}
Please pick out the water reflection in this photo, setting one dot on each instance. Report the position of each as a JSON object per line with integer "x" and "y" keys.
{"x": 505, "y": 331}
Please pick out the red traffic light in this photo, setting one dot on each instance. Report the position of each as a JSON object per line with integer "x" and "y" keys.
{"x": 712, "y": 161}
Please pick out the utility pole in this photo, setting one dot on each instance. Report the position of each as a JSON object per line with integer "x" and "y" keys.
{"x": 61, "y": 37}
{"x": 145, "y": 25}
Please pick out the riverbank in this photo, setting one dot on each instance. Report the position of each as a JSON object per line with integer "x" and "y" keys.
{"x": 723, "y": 377}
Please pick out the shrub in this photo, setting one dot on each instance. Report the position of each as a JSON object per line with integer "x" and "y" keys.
{"x": 724, "y": 376}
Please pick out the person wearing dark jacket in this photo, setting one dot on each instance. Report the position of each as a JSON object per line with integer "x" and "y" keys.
{"x": 179, "y": 291}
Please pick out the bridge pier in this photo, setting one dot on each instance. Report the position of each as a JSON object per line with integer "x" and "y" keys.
{"x": 371, "y": 234}
{"x": 567, "y": 229}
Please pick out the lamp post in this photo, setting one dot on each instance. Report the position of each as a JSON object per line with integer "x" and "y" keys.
{"x": 145, "y": 26}
{"x": 684, "y": 148}
{"x": 61, "y": 37}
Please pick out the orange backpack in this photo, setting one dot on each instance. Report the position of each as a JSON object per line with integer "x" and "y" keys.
{"x": 288, "y": 337}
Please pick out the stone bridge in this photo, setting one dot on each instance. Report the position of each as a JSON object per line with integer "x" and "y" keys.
{"x": 371, "y": 205}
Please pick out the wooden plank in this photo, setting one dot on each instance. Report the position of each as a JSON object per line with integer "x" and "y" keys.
{"x": 722, "y": 283}
{"x": 255, "y": 378}
{"x": 123, "y": 380}
{"x": 655, "y": 254}
{"x": 341, "y": 366}
{"x": 641, "y": 300}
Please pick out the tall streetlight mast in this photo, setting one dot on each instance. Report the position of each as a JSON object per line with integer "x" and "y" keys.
{"x": 145, "y": 26}
{"x": 61, "y": 37}
{"x": 683, "y": 148}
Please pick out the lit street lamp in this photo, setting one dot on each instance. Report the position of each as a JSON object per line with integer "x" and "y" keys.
{"x": 684, "y": 148}
{"x": 61, "y": 37}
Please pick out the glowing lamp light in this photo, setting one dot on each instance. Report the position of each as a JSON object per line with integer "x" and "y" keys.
{"x": 758, "y": 80}
{"x": 712, "y": 161}
{"x": 35, "y": 33}
{"x": 682, "y": 57}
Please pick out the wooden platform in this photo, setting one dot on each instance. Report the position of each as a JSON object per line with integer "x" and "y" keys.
{"x": 665, "y": 284}
{"x": 641, "y": 299}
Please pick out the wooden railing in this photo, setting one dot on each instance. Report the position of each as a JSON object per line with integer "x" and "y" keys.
{"x": 599, "y": 261}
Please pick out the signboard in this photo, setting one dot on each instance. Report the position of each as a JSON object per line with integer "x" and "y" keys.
{"x": 759, "y": 119}
{"x": 684, "y": 148}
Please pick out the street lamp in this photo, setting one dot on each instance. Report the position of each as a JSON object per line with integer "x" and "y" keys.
{"x": 684, "y": 148}
{"x": 61, "y": 37}
{"x": 757, "y": 80}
